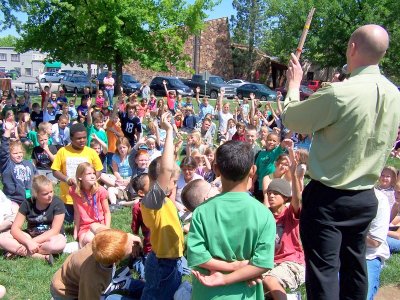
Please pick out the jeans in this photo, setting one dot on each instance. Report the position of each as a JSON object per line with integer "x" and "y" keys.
{"x": 69, "y": 213}
{"x": 138, "y": 266}
{"x": 163, "y": 277}
{"x": 374, "y": 267}
{"x": 333, "y": 227}
{"x": 110, "y": 95}
{"x": 394, "y": 244}
{"x": 109, "y": 159}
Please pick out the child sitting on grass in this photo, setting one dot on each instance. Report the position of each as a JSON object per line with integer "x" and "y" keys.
{"x": 17, "y": 173}
{"x": 43, "y": 156}
{"x": 44, "y": 214}
{"x": 222, "y": 262}
{"x": 289, "y": 269}
{"x": 90, "y": 203}
{"x": 141, "y": 185}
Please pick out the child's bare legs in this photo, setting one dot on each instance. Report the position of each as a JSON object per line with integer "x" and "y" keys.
{"x": 275, "y": 289}
{"x": 85, "y": 238}
{"x": 9, "y": 244}
{"x": 2, "y": 291}
{"x": 112, "y": 195}
{"x": 53, "y": 245}
{"x": 97, "y": 227}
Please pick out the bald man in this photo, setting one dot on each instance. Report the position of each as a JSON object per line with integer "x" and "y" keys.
{"x": 354, "y": 124}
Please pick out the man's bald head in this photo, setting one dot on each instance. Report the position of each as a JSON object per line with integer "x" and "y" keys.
{"x": 367, "y": 46}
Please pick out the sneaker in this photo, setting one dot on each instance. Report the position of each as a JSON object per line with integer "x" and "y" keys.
{"x": 119, "y": 282}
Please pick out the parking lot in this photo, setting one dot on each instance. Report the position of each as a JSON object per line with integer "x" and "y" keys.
{"x": 28, "y": 82}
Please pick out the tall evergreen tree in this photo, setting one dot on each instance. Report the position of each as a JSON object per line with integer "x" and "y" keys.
{"x": 248, "y": 28}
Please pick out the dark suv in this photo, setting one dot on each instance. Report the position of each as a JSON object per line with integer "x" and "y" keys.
{"x": 173, "y": 83}
{"x": 129, "y": 83}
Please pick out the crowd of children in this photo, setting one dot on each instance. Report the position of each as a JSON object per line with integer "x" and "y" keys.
{"x": 104, "y": 157}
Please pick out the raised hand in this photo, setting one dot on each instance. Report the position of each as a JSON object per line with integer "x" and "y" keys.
{"x": 165, "y": 123}
{"x": 198, "y": 90}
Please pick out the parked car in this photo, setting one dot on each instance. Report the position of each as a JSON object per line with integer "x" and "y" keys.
{"x": 305, "y": 92}
{"x": 173, "y": 83}
{"x": 50, "y": 77}
{"x": 13, "y": 74}
{"x": 73, "y": 72}
{"x": 261, "y": 91}
{"x": 237, "y": 82}
{"x": 129, "y": 83}
{"x": 314, "y": 85}
{"x": 76, "y": 84}
{"x": 210, "y": 87}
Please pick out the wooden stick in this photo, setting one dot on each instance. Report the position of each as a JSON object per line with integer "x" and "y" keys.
{"x": 305, "y": 32}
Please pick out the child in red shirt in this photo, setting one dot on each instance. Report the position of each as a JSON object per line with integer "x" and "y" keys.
{"x": 141, "y": 185}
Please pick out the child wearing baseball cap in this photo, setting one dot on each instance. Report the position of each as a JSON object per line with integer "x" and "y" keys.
{"x": 284, "y": 203}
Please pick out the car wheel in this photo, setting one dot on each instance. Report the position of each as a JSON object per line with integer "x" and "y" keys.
{"x": 240, "y": 96}
{"x": 263, "y": 98}
{"x": 75, "y": 91}
{"x": 43, "y": 80}
{"x": 213, "y": 95}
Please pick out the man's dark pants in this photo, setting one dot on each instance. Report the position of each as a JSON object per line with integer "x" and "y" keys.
{"x": 333, "y": 227}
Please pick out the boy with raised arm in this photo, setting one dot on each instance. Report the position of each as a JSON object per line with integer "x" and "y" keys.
{"x": 163, "y": 264}
{"x": 217, "y": 237}
{"x": 289, "y": 269}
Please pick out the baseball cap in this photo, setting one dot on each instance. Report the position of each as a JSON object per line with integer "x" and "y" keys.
{"x": 281, "y": 186}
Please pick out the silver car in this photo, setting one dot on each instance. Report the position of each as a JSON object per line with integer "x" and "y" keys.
{"x": 76, "y": 84}
{"x": 50, "y": 77}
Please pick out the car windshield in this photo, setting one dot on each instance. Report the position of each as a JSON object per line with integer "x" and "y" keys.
{"x": 264, "y": 88}
{"x": 217, "y": 80}
{"x": 176, "y": 82}
{"x": 305, "y": 89}
{"x": 81, "y": 79}
{"x": 129, "y": 78}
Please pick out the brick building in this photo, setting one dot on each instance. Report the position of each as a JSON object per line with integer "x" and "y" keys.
{"x": 212, "y": 51}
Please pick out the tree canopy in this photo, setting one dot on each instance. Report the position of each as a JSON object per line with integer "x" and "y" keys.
{"x": 331, "y": 27}
{"x": 248, "y": 27}
{"x": 8, "y": 41}
{"x": 113, "y": 32}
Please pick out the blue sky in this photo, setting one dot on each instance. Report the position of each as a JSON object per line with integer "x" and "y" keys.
{"x": 224, "y": 9}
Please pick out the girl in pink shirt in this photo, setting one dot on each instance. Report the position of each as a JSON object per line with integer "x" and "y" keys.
{"x": 90, "y": 204}
{"x": 99, "y": 96}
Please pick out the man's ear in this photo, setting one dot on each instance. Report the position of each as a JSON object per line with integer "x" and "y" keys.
{"x": 253, "y": 171}
{"x": 141, "y": 193}
{"x": 216, "y": 170}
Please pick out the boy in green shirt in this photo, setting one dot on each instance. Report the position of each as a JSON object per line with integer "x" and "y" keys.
{"x": 95, "y": 125}
{"x": 224, "y": 252}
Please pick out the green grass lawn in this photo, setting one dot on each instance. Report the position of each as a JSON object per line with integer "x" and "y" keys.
{"x": 27, "y": 278}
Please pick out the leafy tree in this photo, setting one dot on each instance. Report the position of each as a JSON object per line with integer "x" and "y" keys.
{"x": 8, "y": 41}
{"x": 114, "y": 32}
{"x": 331, "y": 27}
{"x": 7, "y": 9}
{"x": 248, "y": 25}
